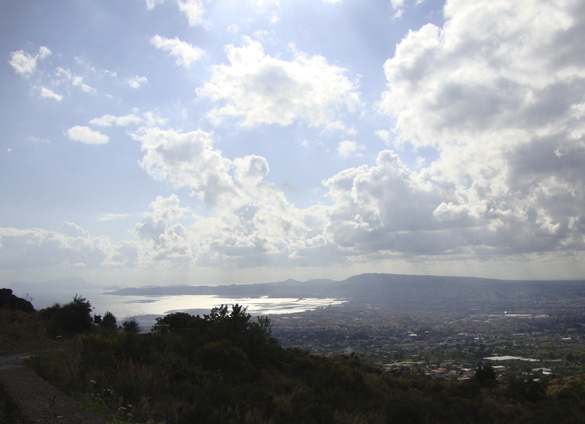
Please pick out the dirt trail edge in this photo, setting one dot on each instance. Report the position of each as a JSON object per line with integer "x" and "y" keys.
{"x": 39, "y": 402}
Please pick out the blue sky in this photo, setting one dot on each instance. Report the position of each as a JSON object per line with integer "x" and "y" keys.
{"x": 212, "y": 142}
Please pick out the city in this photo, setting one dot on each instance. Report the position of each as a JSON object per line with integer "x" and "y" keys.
{"x": 538, "y": 341}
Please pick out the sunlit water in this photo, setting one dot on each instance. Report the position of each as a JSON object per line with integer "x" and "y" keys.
{"x": 147, "y": 308}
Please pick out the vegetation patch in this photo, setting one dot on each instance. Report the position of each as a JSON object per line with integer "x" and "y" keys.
{"x": 226, "y": 367}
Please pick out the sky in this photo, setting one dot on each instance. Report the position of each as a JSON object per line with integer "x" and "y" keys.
{"x": 231, "y": 142}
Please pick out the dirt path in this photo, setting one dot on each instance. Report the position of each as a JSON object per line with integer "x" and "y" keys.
{"x": 36, "y": 400}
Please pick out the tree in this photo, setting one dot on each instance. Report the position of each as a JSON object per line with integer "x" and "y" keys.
{"x": 265, "y": 325}
{"x": 130, "y": 326}
{"x": 236, "y": 322}
{"x": 486, "y": 376}
{"x": 254, "y": 338}
{"x": 109, "y": 322}
{"x": 74, "y": 316}
{"x": 179, "y": 320}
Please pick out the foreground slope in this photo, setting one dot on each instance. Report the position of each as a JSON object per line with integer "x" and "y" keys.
{"x": 225, "y": 367}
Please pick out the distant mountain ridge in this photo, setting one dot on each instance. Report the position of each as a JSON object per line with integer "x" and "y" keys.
{"x": 58, "y": 290}
{"x": 396, "y": 290}
{"x": 63, "y": 283}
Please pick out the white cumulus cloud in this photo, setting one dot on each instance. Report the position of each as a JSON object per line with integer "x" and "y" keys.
{"x": 150, "y": 4}
{"x": 398, "y": 6}
{"x": 193, "y": 10}
{"x": 73, "y": 230}
{"x": 348, "y": 148}
{"x": 150, "y": 228}
{"x": 77, "y": 81}
{"x": 114, "y": 216}
{"x": 188, "y": 159}
{"x": 24, "y": 63}
{"x": 233, "y": 28}
{"x": 183, "y": 51}
{"x": 253, "y": 222}
{"x": 136, "y": 82}
{"x": 498, "y": 91}
{"x": 119, "y": 121}
{"x": 168, "y": 207}
{"x": 50, "y": 94}
{"x": 86, "y": 135}
{"x": 261, "y": 89}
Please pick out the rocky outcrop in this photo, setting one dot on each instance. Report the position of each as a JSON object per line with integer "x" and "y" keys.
{"x": 10, "y": 301}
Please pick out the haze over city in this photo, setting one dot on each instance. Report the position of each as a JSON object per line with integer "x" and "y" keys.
{"x": 215, "y": 142}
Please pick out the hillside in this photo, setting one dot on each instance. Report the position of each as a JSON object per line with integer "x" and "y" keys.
{"x": 226, "y": 368}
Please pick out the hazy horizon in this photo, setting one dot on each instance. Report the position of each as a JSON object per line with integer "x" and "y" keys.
{"x": 74, "y": 282}
{"x": 391, "y": 291}
{"x": 163, "y": 142}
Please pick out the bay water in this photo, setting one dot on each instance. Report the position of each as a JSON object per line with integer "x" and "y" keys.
{"x": 145, "y": 309}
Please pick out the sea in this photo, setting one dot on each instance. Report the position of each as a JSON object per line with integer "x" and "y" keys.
{"x": 145, "y": 309}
